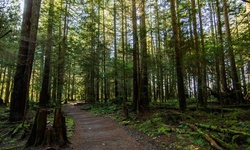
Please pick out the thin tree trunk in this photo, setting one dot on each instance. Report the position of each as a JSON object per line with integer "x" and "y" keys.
{"x": 3, "y": 81}
{"x": 8, "y": 86}
{"x": 221, "y": 51}
{"x": 197, "y": 51}
{"x": 124, "y": 98}
{"x": 115, "y": 49}
{"x": 62, "y": 57}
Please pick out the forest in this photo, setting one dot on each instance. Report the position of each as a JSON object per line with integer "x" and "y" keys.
{"x": 184, "y": 64}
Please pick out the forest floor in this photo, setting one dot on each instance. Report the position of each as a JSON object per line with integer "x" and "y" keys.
{"x": 104, "y": 127}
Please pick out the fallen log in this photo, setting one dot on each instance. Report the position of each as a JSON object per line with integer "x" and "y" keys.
{"x": 205, "y": 136}
{"x": 223, "y": 144}
{"x": 216, "y": 128}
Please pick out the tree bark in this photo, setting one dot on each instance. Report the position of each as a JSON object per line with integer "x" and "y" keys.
{"x": 178, "y": 58}
{"x": 37, "y": 133}
{"x": 115, "y": 61}
{"x": 206, "y": 136}
{"x": 203, "y": 59}
{"x": 8, "y": 86}
{"x": 197, "y": 51}
{"x": 45, "y": 92}
{"x": 220, "y": 52}
{"x": 46, "y": 135}
{"x": 18, "y": 98}
{"x": 144, "y": 100}
{"x": 135, "y": 58}
{"x": 62, "y": 57}
{"x": 235, "y": 78}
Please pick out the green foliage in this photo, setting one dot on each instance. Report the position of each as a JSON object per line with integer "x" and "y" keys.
{"x": 198, "y": 141}
{"x": 248, "y": 141}
{"x": 70, "y": 126}
{"x": 154, "y": 126}
{"x": 103, "y": 109}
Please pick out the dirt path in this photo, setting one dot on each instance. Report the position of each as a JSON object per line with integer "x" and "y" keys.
{"x": 101, "y": 133}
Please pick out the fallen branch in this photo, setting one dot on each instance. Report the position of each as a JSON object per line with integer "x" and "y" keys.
{"x": 5, "y": 34}
{"x": 223, "y": 144}
{"x": 205, "y": 136}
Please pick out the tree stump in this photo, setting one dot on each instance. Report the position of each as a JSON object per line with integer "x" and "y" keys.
{"x": 48, "y": 135}
{"x": 60, "y": 128}
{"x": 37, "y": 133}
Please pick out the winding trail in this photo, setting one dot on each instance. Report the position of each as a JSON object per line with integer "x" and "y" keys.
{"x": 94, "y": 132}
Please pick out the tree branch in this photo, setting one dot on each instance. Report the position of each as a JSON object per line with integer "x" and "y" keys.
{"x": 247, "y": 1}
{"x": 6, "y": 34}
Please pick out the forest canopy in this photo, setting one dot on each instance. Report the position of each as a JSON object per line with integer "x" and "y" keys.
{"x": 110, "y": 47}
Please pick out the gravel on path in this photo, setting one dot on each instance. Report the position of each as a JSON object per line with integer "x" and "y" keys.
{"x": 94, "y": 132}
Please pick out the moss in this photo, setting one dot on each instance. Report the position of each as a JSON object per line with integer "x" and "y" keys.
{"x": 70, "y": 126}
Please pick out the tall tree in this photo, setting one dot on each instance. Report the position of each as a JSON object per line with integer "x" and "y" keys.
{"x": 178, "y": 56}
{"x": 197, "y": 50}
{"x": 124, "y": 91}
{"x": 25, "y": 59}
{"x": 235, "y": 78}
{"x": 203, "y": 60}
{"x": 115, "y": 49}
{"x": 62, "y": 55}
{"x": 143, "y": 97}
{"x": 135, "y": 58}
{"x": 221, "y": 82}
{"x": 45, "y": 91}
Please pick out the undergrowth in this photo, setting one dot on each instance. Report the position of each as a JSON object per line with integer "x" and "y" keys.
{"x": 172, "y": 125}
{"x": 154, "y": 126}
{"x": 70, "y": 126}
{"x": 102, "y": 109}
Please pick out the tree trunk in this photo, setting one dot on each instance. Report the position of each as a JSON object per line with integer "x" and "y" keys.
{"x": 235, "y": 78}
{"x": 159, "y": 55}
{"x": 124, "y": 93}
{"x": 197, "y": 51}
{"x": 144, "y": 100}
{"x": 37, "y": 133}
{"x": 18, "y": 98}
{"x": 47, "y": 135}
{"x": 3, "y": 81}
{"x": 60, "y": 128}
{"x": 135, "y": 57}
{"x": 45, "y": 93}
{"x": 178, "y": 58}
{"x": 8, "y": 86}
{"x": 203, "y": 59}
{"x": 62, "y": 57}
{"x": 105, "y": 94}
{"x": 41, "y": 133}
{"x": 25, "y": 60}
{"x": 221, "y": 52}
{"x": 115, "y": 49}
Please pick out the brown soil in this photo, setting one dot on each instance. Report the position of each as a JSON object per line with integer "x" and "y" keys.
{"x": 94, "y": 132}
